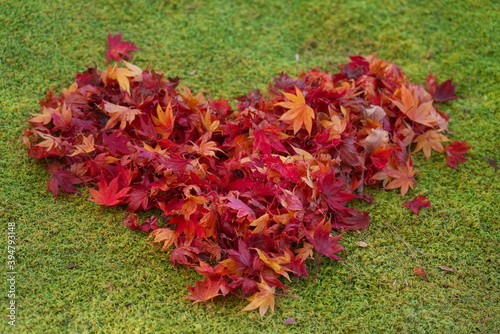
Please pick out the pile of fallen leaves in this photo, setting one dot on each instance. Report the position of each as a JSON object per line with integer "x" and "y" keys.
{"x": 246, "y": 194}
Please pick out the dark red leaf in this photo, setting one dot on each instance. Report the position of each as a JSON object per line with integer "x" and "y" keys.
{"x": 416, "y": 203}
{"x": 455, "y": 152}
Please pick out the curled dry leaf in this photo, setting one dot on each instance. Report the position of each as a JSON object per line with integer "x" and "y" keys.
{"x": 361, "y": 243}
{"x": 446, "y": 268}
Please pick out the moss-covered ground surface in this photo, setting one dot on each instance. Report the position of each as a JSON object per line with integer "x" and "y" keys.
{"x": 123, "y": 284}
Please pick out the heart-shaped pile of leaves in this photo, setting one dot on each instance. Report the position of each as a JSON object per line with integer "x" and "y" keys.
{"x": 247, "y": 193}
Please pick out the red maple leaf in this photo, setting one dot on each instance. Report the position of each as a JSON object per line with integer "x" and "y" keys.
{"x": 332, "y": 189}
{"x": 61, "y": 179}
{"x": 204, "y": 290}
{"x": 268, "y": 138}
{"x": 323, "y": 242}
{"x": 443, "y": 92}
{"x": 109, "y": 194}
{"x": 416, "y": 203}
{"x": 455, "y": 152}
{"x": 118, "y": 49}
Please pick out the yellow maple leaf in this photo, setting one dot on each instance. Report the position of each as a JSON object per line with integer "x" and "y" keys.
{"x": 263, "y": 300}
{"x": 299, "y": 112}
{"x": 119, "y": 74}
{"x": 86, "y": 146}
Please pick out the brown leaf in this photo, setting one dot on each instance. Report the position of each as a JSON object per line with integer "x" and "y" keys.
{"x": 361, "y": 243}
{"x": 446, "y": 268}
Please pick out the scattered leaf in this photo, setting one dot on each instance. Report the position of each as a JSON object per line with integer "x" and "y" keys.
{"x": 419, "y": 272}
{"x": 118, "y": 49}
{"x": 416, "y": 203}
{"x": 361, "y": 243}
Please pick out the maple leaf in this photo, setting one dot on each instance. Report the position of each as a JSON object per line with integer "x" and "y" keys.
{"x": 121, "y": 75}
{"x": 299, "y": 112}
{"x": 204, "y": 290}
{"x": 263, "y": 300}
{"x": 44, "y": 118}
{"x": 444, "y": 92}
{"x": 165, "y": 121}
{"x": 403, "y": 177}
{"x": 276, "y": 262}
{"x": 422, "y": 113}
{"x": 430, "y": 140}
{"x": 165, "y": 236}
{"x": 118, "y": 49}
{"x": 244, "y": 259}
{"x": 269, "y": 138}
{"x": 61, "y": 179}
{"x": 87, "y": 146}
{"x": 323, "y": 242}
{"x": 332, "y": 189}
{"x": 416, "y": 203}
{"x": 241, "y": 207}
{"x": 120, "y": 114}
{"x": 108, "y": 194}
{"x": 455, "y": 152}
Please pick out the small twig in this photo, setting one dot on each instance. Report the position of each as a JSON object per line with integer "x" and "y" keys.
{"x": 209, "y": 310}
{"x": 489, "y": 240}
{"x": 400, "y": 238}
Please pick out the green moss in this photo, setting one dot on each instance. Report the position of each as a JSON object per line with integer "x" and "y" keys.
{"x": 121, "y": 283}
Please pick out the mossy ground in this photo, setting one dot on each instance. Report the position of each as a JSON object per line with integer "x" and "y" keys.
{"x": 122, "y": 284}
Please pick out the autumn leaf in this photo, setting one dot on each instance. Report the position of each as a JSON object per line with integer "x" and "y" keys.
{"x": 87, "y": 146}
{"x": 109, "y": 194}
{"x": 241, "y": 207}
{"x": 165, "y": 236}
{"x": 455, "y": 152}
{"x": 204, "y": 290}
{"x": 420, "y": 272}
{"x": 44, "y": 118}
{"x": 263, "y": 300}
{"x": 416, "y": 203}
{"x": 118, "y": 49}
{"x": 269, "y": 138}
{"x": 323, "y": 242}
{"x": 120, "y": 114}
{"x": 403, "y": 177}
{"x": 409, "y": 104}
{"x": 276, "y": 263}
{"x": 430, "y": 140}
{"x": 442, "y": 92}
{"x": 121, "y": 75}
{"x": 165, "y": 121}
{"x": 299, "y": 112}
{"x": 61, "y": 179}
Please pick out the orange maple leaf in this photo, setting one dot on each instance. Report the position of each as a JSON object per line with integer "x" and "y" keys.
{"x": 422, "y": 113}
{"x": 204, "y": 290}
{"x": 403, "y": 178}
{"x": 165, "y": 121}
{"x": 299, "y": 112}
{"x": 120, "y": 114}
{"x": 431, "y": 140}
{"x": 165, "y": 236}
{"x": 263, "y": 300}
